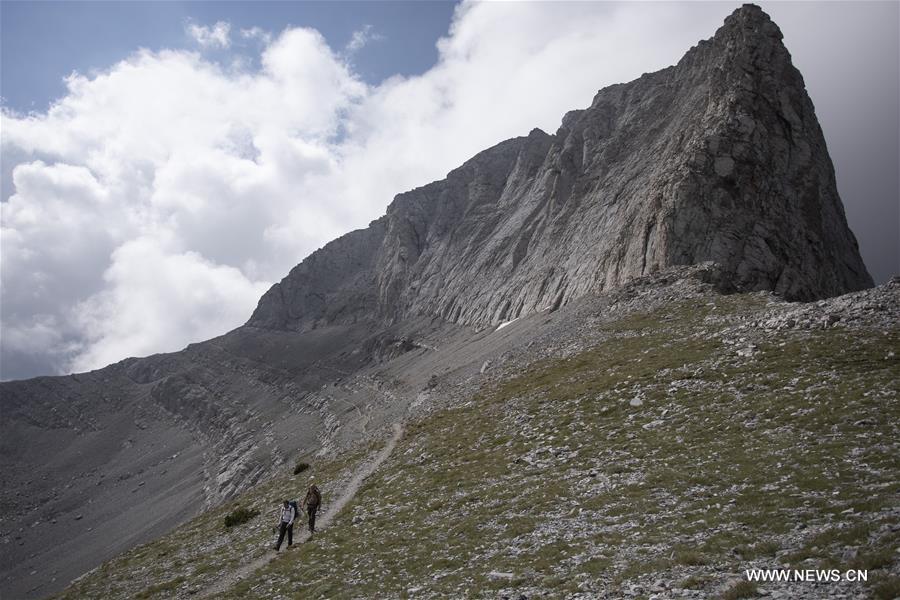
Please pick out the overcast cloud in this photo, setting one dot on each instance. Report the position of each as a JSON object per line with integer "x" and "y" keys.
{"x": 158, "y": 199}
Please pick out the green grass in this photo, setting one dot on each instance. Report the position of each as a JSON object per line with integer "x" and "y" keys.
{"x": 692, "y": 489}
{"x": 195, "y": 555}
{"x": 160, "y": 589}
{"x": 689, "y": 557}
{"x": 886, "y": 587}
{"x": 693, "y": 582}
{"x": 741, "y": 589}
{"x": 759, "y": 549}
{"x": 553, "y": 477}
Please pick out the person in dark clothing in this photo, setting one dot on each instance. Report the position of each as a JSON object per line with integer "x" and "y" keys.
{"x": 311, "y": 503}
{"x": 286, "y": 524}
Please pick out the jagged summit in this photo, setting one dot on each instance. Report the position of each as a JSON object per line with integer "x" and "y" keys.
{"x": 718, "y": 158}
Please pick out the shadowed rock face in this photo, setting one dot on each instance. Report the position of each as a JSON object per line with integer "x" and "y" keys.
{"x": 718, "y": 158}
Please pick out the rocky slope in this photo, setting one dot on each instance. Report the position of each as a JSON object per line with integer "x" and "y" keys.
{"x": 718, "y": 158}
{"x": 649, "y": 443}
{"x": 162, "y": 438}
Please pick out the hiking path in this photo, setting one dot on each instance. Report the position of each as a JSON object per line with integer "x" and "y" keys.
{"x": 370, "y": 466}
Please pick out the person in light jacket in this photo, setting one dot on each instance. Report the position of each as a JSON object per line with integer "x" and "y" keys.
{"x": 286, "y": 524}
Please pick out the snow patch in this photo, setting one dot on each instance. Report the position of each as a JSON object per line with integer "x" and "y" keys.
{"x": 505, "y": 323}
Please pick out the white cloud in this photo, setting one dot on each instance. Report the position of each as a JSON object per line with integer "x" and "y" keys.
{"x": 257, "y": 33}
{"x": 182, "y": 295}
{"x": 201, "y": 164}
{"x": 361, "y": 38}
{"x": 157, "y": 200}
{"x": 215, "y": 36}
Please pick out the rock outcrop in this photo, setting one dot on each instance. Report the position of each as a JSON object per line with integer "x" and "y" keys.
{"x": 718, "y": 158}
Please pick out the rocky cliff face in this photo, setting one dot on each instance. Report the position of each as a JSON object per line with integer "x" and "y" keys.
{"x": 718, "y": 158}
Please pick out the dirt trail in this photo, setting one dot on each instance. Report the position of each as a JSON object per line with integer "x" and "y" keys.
{"x": 369, "y": 467}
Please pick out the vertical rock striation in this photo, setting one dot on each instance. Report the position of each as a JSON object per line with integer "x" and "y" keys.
{"x": 718, "y": 158}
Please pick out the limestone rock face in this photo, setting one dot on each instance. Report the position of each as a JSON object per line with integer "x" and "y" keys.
{"x": 718, "y": 158}
{"x": 333, "y": 285}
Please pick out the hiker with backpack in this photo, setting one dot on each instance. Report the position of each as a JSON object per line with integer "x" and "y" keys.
{"x": 286, "y": 518}
{"x": 311, "y": 503}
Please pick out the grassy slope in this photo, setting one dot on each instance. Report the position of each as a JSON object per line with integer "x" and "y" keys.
{"x": 193, "y": 556}
{"x": 552, "y": 481}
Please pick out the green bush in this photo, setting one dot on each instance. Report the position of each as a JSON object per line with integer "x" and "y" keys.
{"x": 300, "y": 467}
{"x": 238, "y": 516}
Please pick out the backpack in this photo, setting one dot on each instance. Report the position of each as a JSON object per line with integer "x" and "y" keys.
{"x": 293, "y": 503}
{"x": 316, "y": 499}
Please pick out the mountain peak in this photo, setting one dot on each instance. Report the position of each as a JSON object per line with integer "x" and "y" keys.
{"x": 748, "y": 36}
{"x": 749, "y": 27}
{"x": 719, "y": 158}
{"x": 752, "y": 18}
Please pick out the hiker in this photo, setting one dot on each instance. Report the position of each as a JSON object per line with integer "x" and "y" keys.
{"x": 311, "y": 503}
{"x": 286, "y": 524}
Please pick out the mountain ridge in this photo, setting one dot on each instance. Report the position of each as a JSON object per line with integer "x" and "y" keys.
{"x": 750, "y": 187}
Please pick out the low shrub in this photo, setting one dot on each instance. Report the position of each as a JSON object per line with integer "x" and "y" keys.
{"x": 239, "y": 516}
{"x": 300, "y": 467}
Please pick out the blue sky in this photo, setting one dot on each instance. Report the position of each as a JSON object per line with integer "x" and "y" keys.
{"x": 61, "y": 37}
{"x": 164, "y": 163}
